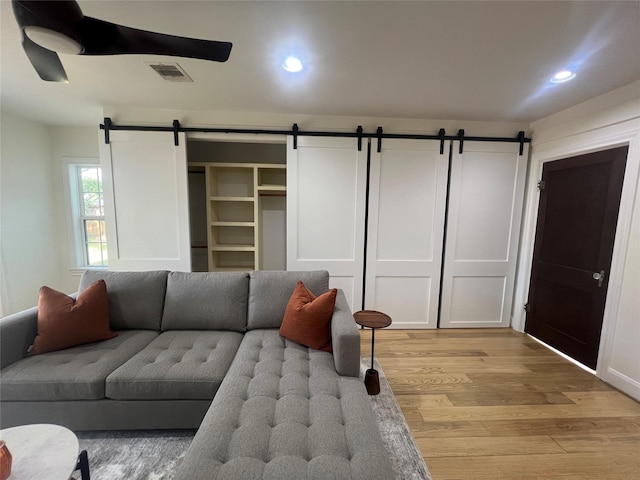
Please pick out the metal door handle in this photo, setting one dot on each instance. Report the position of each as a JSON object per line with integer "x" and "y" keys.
{"x": 599, "y": 276}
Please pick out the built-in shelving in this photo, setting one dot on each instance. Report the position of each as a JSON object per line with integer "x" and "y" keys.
{"x": 233, "y": 192}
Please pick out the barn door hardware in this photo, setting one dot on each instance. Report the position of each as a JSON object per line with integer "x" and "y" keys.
{"x": 294, "y": 130}
{"x": 176, "y": 131}
{"x": 461, "y": 138}
{"x": 108, "y": 126}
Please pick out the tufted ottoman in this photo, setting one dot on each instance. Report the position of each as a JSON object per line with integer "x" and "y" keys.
{"x": 283, "y": 413}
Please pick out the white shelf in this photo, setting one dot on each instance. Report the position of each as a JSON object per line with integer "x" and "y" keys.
{"x": 233, "y": 210}
{"x": 233, "y": 248}
{"x": 231, "y": 199}
{"x": 233, "y": 224}
{"x": 272, "y": 188}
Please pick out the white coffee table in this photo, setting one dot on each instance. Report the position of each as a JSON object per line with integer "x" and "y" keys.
{"x": 41, "y": 451}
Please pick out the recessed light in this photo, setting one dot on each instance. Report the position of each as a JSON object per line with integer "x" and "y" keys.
{"x": 563, "y": 76}
{"x": 292, "y": 64}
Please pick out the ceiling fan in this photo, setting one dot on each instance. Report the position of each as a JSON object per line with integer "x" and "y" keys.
{"x": 52, "y": 27}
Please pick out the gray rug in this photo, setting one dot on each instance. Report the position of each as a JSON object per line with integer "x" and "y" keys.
{"x": 156, "y": 454}
{"x": 407, "y": 460}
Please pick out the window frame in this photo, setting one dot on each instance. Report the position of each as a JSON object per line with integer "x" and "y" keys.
{"x": 76, "y": 215}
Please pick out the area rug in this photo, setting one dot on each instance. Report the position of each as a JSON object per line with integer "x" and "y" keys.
{"x": 406, "y": 458}
{"x": 156, "y": 454}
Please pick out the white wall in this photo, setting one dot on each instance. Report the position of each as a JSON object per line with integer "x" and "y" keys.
{"x": 604, "y": 122}
{"x": 34, "y": 226}
{"x": 624, "y": 362}
{"x": 30, "y": 213}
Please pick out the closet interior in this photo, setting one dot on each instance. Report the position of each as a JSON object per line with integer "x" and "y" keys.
{"x": 237, "y": 205}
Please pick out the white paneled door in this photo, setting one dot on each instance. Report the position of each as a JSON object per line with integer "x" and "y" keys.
{"x": 326, "y": 188}
{"x": 483, "y": 227}
{"x": 146, "y": 201}
{"x": 407, "y": 195}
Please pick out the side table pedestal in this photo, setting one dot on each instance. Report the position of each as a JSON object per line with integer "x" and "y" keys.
{"x": 372, "y": 381}
{"x": 372, "y": 319}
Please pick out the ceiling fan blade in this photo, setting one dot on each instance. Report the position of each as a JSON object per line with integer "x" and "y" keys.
{"x": 46, "y": 63}
{"x": 104, "y": 38}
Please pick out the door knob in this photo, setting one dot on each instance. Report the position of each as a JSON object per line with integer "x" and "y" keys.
{"x": 599, "y": 276}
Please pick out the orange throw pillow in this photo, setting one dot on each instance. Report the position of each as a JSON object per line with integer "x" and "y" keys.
{"x": 307, "y": 318}
{"x": 64, "y": 322}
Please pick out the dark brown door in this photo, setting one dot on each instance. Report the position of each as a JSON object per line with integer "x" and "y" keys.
{"x": 577, "y": 217}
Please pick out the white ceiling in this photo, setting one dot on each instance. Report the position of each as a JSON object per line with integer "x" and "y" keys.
{"x": 449, "y": 60}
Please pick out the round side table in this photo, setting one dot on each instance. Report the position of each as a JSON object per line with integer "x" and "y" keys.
{"x": 44, "y": 452}
{"x": 372, "y": 319}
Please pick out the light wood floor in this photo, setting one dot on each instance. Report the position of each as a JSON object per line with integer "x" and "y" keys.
{"x": 495, "y": 404}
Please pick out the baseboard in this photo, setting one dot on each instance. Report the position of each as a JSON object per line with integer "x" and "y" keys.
{"x": 623, "y": 383}
{"x": 410, "y": 326}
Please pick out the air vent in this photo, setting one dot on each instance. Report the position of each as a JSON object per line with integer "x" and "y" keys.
{"x": 171, "y": 72}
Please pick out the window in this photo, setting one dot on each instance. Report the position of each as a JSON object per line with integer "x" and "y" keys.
{"x": 87, "y": 202}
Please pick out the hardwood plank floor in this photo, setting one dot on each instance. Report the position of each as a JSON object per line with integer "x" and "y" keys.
{"x": 495, "y": 404}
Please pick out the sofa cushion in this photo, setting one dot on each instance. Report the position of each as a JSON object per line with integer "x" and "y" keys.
{"x": 206, "y": 301}
{"x": 284, "y": 413}
{"x": 65, "y": 322}
{"x": 307, "y": 318}
{"x": 176, "y": 365}
{"x": 270, "y": 291}
{"x": 77, "y": 373}
{"x": 135, "y": 298}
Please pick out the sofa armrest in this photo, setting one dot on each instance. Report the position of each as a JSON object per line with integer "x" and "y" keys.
{"x": 345, "y": 338}
{"x": 17, "y": 333}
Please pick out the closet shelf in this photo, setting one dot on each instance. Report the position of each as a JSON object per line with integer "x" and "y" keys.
{"x": 233, "y": 248}
{"x": 232, "y": 199}
{"x": 233, "y": 224}
{"x": 272, "y": 191}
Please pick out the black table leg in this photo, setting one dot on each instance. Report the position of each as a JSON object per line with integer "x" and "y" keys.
{"x": 83, "y": 465}
{"x": 371, "y": 378}
{"x": 373, "y": 343}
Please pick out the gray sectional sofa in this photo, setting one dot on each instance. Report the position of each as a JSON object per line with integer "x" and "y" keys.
{"x": 202, "y": 350}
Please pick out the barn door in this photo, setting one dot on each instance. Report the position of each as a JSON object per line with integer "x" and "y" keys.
{"x": 407, "y": 193}
{"x": 482, "y": 235}
{"x": 146, "y": 201}
{"x": 575, "y": 232}
{"x": 326, "y": 188}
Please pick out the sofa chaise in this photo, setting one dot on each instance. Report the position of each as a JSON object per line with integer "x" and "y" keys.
{"x": 204, "y": 350}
